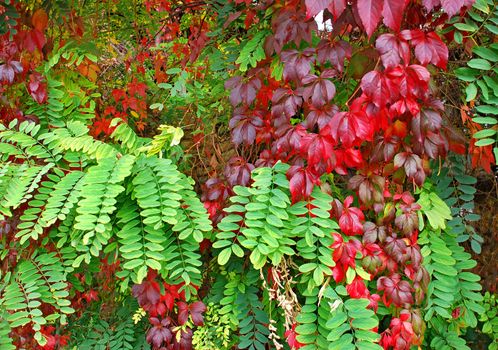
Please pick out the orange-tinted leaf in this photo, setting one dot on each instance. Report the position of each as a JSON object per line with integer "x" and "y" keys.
{"x": 40, "y": 20}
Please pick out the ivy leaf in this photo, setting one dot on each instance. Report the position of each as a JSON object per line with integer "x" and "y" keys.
{"x": 314, "y": 7}
{"x": 319, "y": 89}
{"x": 392, "y": 49}
{"x": 374, "y": 86}
{"x": 334, "y": 52}
{"x": 393, "y": 13}
{"x": 297, "y": 64}
{"x": 370, "y": 12}
{"x": 452, "y": 7}
{"x": 301, "y": 182}
{"x": 429, "y": 48}
{"x": 336, "y": 8}
{"x": 244, "y": 125}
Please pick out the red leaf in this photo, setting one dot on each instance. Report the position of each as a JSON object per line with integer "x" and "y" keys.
{"x": 375, "y": 87}
{"x": 301, "y": 181}
{"x": 320, "y": 89}
{"x": 39, "y": 20}
{"x": 244, "y": 125}
{"x": 351, "y": 219}
{"x": 430, "y": 4}
{"x": 297, "y": 64}
{"x": 351, "y": 127}
{"x": 370, "y": 12}
{"x": 429, "y": 48}
{"x": 334, "y": 52}
{"x": 285, "y": 102}
{"x": 452, "y": 7}
{"x": 182, "y": 312}
{"x": 238, "y": 171}
{"x": 196, "y": 311}
{"x": 314, "y": 7}
{"x": 318, "y": 147}
{"x": 8, "y": 71}
{"x": 337, "y": 7}
{"x": 291, "y": 335}
{"x": 392, "y": 50}
{"x": 393, "y": 13}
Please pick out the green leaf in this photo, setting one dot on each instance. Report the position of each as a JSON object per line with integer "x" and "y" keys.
{"x": 479, "y": 63}
{"x": 471, "y": 92}
{"x": 224, "y": 256}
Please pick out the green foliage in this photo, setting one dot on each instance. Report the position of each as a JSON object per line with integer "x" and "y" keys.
{"x": 70, "y": 96}
{"x": 141, "y": 209}
{"x": 453, "y": 297}
{"x": 480, "y": 73}
{"x": 456, "y": 188}
{"x": 252, "y": 52}
{"x": 38, "y": 279}
{"x": 327, "y": 321}
{"x": 116, "y": 331}
{"x": 489, "y": 319}
{"x": 267, "y": 223}
{"x": 314, "y": 232}
{"x": 215, "y": 334}
{"x": 271, "y": 225}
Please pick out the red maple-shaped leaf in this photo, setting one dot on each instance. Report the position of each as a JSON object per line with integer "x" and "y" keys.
{"x": 320, "y": 116}
{"x": 171, "y": 294}
{"x": 244, "y": 125}
{"x": 393, "y": 50}
{"x": 351, "y": 127}
{"x": 357, "y": 289}
{"x": 302, "y": 180}
{"x": 370, "y": 188}
{"x": 297, "y": 64}
{"x": 412, "y": 164}
{"x": 396, "y": 290}
{"x": 285, "y": 102}
{"x": 375, "y": 87}
{"x": 291, "y": 336}
{"x": 319, "y": 88}
{"x": 8, "y": 70}
{"x": 351, "y": 218}
{"x": 335, "y": 52}
{"x": 318, "y": 147}
{"x": 429, "y": 48}
{"x": 238, "y": 171}
{"x": 370, "y": 12}
{"x": 37, "y": 88}
{"x": 289, "y": 25}
{"x": 344, "y": 255}
{"x": 336, "y": 8}
{"x": 195, "y": 310}
{"x": 242, "y": 90}
{"x": 160, "y": 332}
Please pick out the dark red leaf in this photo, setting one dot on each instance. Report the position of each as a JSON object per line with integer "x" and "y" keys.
{"x": 374, "y": 86}
{"x": 238, "y": 171}
{"x": 244, "y": 125}
{"x": 392, "y": 50}
{"x": 370, "y": 12}
{"x": 319, "y": 89}
{"x": 337, "y": 7}
{"x": 334, "y": 52}
{"x": 297, "y": 64}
